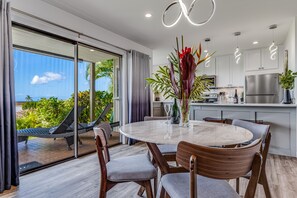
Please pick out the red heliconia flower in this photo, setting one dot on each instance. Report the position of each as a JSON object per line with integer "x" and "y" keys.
{"x": 187, "y": 70}
{"x": 184, "y": 52}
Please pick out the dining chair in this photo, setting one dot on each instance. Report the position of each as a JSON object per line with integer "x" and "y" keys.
{"x": 209, "y": 168}
{"x": 259, "y": 131}
{"x": 216, "y": 120}
{"x": 167, "y": 150}
{"x": 137, "y": 168}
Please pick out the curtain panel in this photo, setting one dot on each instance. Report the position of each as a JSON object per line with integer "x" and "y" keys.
{"x": 139, "y": 98}
{"x": 9, "y": 167}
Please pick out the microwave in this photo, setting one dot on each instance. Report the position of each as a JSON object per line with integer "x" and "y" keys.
{"x": 211, "y": 80}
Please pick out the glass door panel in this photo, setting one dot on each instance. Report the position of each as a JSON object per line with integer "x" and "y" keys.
{"x": 44, "y": 78}
{"x": 97, "y": 87}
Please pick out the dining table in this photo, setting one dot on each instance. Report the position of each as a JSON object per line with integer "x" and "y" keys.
{"x": 203, "y": 133}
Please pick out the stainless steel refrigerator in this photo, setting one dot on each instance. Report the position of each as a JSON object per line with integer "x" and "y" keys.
{"x": 263, "y": 88}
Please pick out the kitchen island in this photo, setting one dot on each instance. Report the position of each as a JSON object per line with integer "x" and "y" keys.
{"x": 281, "y": 118}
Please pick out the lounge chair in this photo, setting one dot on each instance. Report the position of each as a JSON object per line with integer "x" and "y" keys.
{"x": 91, "y": 125}
{"x": 63, "y": 130}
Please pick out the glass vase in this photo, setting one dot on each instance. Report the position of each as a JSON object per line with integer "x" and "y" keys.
{"x": 184, "y": 109}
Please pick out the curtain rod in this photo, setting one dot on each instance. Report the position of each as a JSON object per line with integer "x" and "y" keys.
{"x": 68, "y": 29}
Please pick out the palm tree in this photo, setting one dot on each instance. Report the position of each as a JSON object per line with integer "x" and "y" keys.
{"x": 28, "y": 98}
{"x": 102, "y": 69}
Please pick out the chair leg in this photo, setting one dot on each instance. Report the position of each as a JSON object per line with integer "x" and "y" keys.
{"x": 264, "y": 182}
{"x": 148, "y": 189}
{"x": 162, "y": 193}
{"x": 155, "y": 185}
{"x": 141, "y": 191}
{"x": 26, "y": 141}
{"x": 102, "y": 193}
{"x": 237, "y": 185}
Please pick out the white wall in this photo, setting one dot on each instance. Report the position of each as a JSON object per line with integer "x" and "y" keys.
{"x": 290, "y": 45}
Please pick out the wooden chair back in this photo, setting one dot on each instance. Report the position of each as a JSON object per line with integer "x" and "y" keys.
{"x": 221, "y": 163}
{"x": 101, "y": 145}
{"x": 216, "y": 120}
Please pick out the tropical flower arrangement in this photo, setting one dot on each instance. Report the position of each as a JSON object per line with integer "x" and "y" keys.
{"x": 179, "y": 80}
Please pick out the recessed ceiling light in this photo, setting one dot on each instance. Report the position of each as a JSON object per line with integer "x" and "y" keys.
{"x": 148, "y": 15}
{"x": 255, "y": 42}
{"x": 92, "y": 50}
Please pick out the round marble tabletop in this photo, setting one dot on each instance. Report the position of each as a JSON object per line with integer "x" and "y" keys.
{"x": 199, "y": 132}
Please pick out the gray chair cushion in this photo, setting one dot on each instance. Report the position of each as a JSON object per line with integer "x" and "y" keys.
{"x": 131, "y": 168}
{"x": 178, "y": 186}
{"x": 258, "y": 130}
{"x": 167, "y": 148}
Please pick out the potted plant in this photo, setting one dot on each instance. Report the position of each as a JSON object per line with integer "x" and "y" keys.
{"x": 287, "y": 80}
{"x": 179, "y": 80}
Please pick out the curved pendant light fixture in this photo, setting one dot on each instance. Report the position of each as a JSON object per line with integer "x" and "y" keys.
{"x": 237, "y": 53}
{"x": 273, "y": 49}
{"x": 207, "y": 61}
{"x": 186, "y": 12}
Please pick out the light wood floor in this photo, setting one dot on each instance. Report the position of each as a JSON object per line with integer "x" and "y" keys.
{"x": 80, "y": 178}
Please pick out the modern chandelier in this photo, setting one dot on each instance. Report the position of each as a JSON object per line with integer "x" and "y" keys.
{"x": 186, "y": 12}
{"x": 273, "y": 49}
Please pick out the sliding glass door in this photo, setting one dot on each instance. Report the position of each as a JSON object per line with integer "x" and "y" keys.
{"x": 45, "y": 79}
{"x": 96, "y": 90}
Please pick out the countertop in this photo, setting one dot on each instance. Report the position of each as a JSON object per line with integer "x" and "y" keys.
{"x": 245, "y": 105}
{"x": 239, "y": 105}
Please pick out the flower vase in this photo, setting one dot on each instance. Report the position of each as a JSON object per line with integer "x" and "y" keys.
{"x": 287, "y": 97}
{"x": 184, "y": 109}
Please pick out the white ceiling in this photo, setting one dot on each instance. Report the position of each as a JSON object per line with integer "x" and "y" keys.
{"x": 126, "y": 18}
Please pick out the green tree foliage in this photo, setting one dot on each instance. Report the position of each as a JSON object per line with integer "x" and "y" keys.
{"x": 50, "y": 112}
{"x": 30, "y": 104}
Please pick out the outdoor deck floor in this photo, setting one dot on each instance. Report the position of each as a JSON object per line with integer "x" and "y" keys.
{"x": 47, "y": 150}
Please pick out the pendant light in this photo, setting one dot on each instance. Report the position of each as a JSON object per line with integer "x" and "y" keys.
{"x": 273, "y": 49}
{"x": 207, "y": 61}
{"x": 237, "y": 53}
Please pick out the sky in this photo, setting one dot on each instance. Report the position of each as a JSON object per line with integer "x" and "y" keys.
{"x": 40, "y": 76}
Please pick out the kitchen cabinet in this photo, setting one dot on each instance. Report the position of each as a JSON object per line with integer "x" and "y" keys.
{"x": 223, "y": 71}
{"x": 236, "y": 114}
{"x": 229, "y": 74}
{"x": 259, "y": 60}
{"x": 236, "y": 72}
{"x": 267, "y": 63}
{"x": 158, "y": 109}
{"x": 280, "y": 130}
{"x": 209, "y": 71}
{"x": 252, "y": 60}
{"x": 198, "y": 113}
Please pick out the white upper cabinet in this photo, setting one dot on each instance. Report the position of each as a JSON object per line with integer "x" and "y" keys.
{"x": 252, "y": 60}
{"x": 236, "y": 72}
{"x": 267, "y": 63}
{"x": 259, "y": 61}
{"x": 223, "y": 71}
{"x": 209, "y": 71}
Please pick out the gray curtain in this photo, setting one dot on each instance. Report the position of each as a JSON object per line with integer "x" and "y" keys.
{"x": 139, "y": 93}
{"x": 9, "y": 167}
